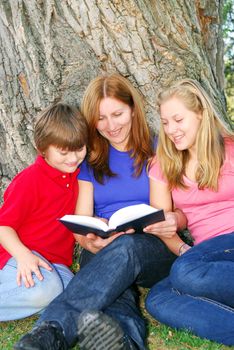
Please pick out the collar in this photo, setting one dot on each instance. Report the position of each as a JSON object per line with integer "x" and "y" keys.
{"x": 52, "y": 172}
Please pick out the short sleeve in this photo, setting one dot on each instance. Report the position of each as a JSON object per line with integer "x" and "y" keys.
{"x": 155, "y": 172}
{"x": 18, "y": 201}
{"x": 86, "y": 173}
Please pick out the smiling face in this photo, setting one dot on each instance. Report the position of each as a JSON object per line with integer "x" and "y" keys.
{"x": 63, "y": 160}
{"x": 115, "y": 122}
{"x": 180, "y": 124}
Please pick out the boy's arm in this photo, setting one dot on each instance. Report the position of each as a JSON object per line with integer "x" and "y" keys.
{"x": 27, "y": 262}
{"x": 160, "y": 197}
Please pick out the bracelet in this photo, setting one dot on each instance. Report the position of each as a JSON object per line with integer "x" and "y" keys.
{"x": 183, "y": 248}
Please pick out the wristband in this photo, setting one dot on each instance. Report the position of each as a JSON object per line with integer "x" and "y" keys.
{"x": 183, "y": 248}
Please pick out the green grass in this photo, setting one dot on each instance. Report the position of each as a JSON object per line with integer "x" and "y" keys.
{"x": 160, "y": 337}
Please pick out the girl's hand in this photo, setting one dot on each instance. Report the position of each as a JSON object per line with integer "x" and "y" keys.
{"x": 27, "y": 264}
{"x": 164, "y": 229}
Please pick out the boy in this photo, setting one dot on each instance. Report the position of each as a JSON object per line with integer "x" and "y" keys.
{"x": 35, "y": 248}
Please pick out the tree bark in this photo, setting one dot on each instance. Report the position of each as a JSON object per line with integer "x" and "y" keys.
{"x": 53, "y": 48}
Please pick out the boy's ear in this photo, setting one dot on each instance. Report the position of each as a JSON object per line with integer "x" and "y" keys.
{"x": 40, "y": 153}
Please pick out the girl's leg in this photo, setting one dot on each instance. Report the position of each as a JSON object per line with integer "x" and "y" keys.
{"x": 18, "y": 301}
{"x": 201, "y": 316}
{"x": 207, "y": 270}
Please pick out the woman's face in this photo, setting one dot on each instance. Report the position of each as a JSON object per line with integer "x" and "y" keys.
{"x": 115, "y": 122}
{"x": 180, "y": 124}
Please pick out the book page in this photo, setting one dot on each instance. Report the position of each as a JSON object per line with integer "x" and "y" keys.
{"x": 129, "y": 213}
{"x": 86, "y": 220}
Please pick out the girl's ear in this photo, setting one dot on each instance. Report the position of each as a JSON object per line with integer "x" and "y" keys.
{"x": 199, "y": 116}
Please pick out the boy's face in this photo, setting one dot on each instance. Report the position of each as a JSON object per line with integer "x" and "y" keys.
{"x": 63, "y": 160}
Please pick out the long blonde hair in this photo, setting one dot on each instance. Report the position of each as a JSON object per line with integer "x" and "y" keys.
{"x": 209, "y": 142}
{"x": 139, "y": 144}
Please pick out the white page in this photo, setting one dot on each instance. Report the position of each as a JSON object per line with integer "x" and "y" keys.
{"x": 86, "y": 220}
{"x": 129, "y": 213}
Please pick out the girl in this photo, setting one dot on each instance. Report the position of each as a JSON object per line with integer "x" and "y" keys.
{"x": 194, "y": 168}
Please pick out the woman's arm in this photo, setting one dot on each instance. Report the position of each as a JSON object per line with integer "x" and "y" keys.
{"x": 84, "y": 206}
{"x": 160, "y": 197}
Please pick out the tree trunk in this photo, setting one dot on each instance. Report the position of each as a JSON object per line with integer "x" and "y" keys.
{"x": 53, "y": 48}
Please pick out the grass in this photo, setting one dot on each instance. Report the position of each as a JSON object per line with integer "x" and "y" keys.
{"x": 160, "y": 337}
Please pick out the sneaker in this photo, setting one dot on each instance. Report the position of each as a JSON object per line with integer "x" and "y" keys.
{"x": 97, "y": 331}
{"x": 46, "y": 336}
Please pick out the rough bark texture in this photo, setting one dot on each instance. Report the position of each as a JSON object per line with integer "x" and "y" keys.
{"x": 53, "y": 48}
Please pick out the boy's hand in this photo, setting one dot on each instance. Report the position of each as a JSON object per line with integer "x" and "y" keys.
{"x": 165, "y": 229}
{"x": 27, "y": 264}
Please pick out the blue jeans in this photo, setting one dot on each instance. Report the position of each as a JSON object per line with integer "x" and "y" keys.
{"x": 19, "y": 302}
{"x": 106, "y": 282}
{"x": 199, "y": 293}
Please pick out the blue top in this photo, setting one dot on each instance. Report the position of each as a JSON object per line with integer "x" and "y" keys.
{"x": 119, "y": 191}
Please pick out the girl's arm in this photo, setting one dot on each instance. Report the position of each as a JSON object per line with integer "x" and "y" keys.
{"x": 160, "y": 197}
{"x": 84, "y": 206}
{"x": 27, "y": 262}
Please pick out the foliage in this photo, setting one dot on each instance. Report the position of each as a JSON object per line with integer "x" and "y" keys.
{"x": 228, "y": 35}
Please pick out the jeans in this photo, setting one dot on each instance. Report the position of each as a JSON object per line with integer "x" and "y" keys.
{"x": 199, "y": 293}
{"x": 17, "y": 302}
{"x": 106, "y": 282}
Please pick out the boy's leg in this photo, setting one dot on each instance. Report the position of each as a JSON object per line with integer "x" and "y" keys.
{"x": 64, "y": 273}
{"x": 201, "y": 316}
{"x": 17, "y": 302}
{"x": 207, "y": 270}
{"x": 102, "y": 281}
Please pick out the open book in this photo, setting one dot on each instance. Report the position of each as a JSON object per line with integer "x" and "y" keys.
{"x": 132, "y": 217}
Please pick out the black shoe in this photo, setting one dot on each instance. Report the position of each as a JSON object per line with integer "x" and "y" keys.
{"x": 97, "y": 331}
{"x": 46, "y": 336}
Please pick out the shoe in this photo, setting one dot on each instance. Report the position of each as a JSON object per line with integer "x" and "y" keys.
{"x": 97, "y": 331}
{"x": 46, "y": 336}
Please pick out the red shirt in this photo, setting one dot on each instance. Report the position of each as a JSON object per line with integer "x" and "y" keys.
{"x": 33, "y": 202}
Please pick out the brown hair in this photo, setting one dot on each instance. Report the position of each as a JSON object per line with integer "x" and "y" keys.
{"x": 62, "y": 126}
{"x": 139, "y": 144}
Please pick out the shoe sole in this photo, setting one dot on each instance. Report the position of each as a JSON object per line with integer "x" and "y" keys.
{"x": 98, "y": 331}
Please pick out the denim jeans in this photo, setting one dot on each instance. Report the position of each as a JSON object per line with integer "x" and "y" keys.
{"x": 106, "y": 283}
{"x": 17, "y": 302}
{"x": 199, "y": 293}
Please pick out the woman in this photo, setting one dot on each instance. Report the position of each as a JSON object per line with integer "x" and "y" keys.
{"x": 195, "y": 168}
{"x": 101, "y": 299}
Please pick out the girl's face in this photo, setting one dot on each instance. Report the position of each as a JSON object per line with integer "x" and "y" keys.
{"x": 63, "y": 160}
{"x": 180, "y": 124}
{"x": 115, "y": 122}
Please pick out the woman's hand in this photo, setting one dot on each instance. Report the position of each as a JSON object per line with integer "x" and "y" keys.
{"x": 27, "y": 264}
{"x": 94, "y": 243}
{"x": 164, "y": 229}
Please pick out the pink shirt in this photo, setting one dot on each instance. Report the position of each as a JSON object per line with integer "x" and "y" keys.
{"x": 209, "y": 213}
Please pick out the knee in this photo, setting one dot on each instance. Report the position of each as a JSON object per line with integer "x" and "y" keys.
{"x": 45, "y": 291}
{"x": 123, "y": 245}
{"x": 188, "y": 275}
{"x": 122, "y": 249}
